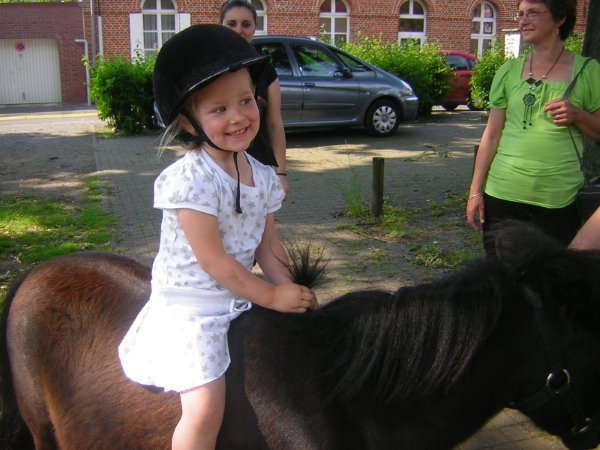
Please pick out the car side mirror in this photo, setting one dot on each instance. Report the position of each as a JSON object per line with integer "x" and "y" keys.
{"x": 346, "y": 73}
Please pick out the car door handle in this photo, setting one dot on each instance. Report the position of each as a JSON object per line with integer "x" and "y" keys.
{"x": 309, "y": 84}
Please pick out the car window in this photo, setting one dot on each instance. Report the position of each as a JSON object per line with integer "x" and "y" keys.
{"x": 279, "y": 58}
{"x": 353, "y": 64}
{"x": 315, "y": 62}
{"x": 458, "y": 62}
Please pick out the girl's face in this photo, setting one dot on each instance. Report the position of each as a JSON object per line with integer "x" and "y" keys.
{"x": 241, "y": 21}
{"x": 227, "y": 112}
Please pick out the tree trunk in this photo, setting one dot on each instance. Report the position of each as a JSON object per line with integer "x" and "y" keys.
{"x": 591, "y": 47}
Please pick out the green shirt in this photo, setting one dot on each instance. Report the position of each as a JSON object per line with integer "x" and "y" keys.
{"x": 535, "y": 161}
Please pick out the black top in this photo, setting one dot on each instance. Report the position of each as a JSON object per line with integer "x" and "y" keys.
{"x": 261, "y": 147}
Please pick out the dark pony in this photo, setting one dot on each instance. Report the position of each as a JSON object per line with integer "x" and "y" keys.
{"x": 420, "y": 368}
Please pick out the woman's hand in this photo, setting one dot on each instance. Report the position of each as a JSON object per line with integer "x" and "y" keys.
{"x": 475, "y": 211}
{"x": 561, "y": 112}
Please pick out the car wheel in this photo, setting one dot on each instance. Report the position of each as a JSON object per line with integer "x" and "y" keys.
{"x": 449, "y": 107}
{"x": 382, "y": 118}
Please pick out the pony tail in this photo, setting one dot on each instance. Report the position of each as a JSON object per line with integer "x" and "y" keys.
{"x": 13, "y": 432}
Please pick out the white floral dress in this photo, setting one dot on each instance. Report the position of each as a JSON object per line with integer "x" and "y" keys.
{"x": 178, "y": 341}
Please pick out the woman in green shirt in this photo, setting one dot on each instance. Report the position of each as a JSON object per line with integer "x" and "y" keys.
{"x": 526, "y": 168}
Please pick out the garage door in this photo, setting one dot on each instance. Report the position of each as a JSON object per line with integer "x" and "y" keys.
{"x": 29, "y": 71}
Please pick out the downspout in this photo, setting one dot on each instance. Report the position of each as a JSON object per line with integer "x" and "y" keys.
{"x": 87, "y": 68}
{"x": 93, "y": 32}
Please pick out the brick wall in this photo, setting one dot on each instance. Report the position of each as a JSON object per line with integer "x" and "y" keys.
{"x": 448, "y": 23}
{"x": 59, "y": 21}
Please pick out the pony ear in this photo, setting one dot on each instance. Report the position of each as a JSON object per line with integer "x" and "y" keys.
{"x": 564, "y": 279}
{"x": 520, "y": 245}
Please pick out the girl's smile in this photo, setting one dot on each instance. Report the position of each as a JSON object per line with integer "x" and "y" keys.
{"x": 227, "y": 112}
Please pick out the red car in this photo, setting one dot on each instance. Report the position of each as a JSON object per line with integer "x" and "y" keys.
{"x": 460, "y": 83}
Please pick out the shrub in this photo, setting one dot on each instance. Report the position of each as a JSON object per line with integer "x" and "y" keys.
{"x": 422, "y": 67}
{"x": 483, "y": 74}
{"x": 122, "y": 91}
{"x": 574, "y": 43}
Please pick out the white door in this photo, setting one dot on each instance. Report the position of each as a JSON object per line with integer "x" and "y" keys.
{"x": 29, "y": 71}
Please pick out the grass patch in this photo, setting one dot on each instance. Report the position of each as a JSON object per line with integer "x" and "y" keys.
{"x": 34, "y": 229}
{"x": 436, "y": 233}
{"x": 351, "y": 191}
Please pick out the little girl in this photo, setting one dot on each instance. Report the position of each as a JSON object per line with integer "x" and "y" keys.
{"x": 218, "y": 204}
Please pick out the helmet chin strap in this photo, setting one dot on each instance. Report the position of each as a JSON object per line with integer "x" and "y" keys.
{"x": 201, "y": 137}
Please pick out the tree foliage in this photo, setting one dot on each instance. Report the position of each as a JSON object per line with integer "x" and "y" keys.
{"x": 591, "y": 47}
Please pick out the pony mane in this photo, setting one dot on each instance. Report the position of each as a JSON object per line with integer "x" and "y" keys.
{"x": 415, "y": 341}
{"x": 418, "y": 341}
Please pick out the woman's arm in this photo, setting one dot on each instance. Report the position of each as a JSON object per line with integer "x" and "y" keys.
{"x": 485, "y": 155}
{"x": 202, "y": 232}
{"x": 276, "y": 131}
{"x": 588, "y": 237}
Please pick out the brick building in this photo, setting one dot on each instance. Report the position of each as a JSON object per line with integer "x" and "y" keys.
{"x": 128, "y": 27}
{"x": 41, "y": 49}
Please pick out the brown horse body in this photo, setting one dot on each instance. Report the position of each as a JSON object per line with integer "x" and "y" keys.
{"x": 420, "y": 368}
{"x": 67, "y": 373}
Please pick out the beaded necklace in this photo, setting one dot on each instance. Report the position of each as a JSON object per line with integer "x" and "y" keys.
{"x": 529, "y": 98}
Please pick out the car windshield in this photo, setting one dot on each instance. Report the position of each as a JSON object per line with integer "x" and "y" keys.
{"x": 458, "y": 62}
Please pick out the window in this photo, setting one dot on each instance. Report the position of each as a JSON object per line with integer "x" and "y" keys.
{"x": 158, "y": 18}
{"x": 157, "y": 23}
{"x": 315, "y": 62}
{"x": 483, "y": 27}
{"x": 334, "y": 20}
{"x": 412, "y": 23}
{"x": 353, "y": 64}
{"x": 459, "y": 62}
{"x": 279, "y": 58}
{"x": 261, "y": 17}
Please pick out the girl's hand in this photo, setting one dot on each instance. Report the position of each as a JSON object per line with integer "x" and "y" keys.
{"x": 284, "y": 184}
{"x": 290, "y": 297}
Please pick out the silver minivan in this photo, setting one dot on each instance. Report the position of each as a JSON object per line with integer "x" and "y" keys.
{"x": 322, "y": 86}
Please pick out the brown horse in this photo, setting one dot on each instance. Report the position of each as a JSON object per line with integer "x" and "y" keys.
{"x": 420, "y": 368}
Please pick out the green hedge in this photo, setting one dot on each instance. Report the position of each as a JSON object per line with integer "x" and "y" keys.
{"x": 122, "y": 91}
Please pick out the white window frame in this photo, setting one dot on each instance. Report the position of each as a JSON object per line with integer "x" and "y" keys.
{"x": 487, "y": 26}
{"x": 331, "y": 16}
{"x": 421, "y": 37}
{"x": 261, "y": 13}
{"x": 136, "y": 28}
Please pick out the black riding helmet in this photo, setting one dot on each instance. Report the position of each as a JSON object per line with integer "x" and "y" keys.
{"x": 195, "y": 57}
{"x": 191, "y": 60}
